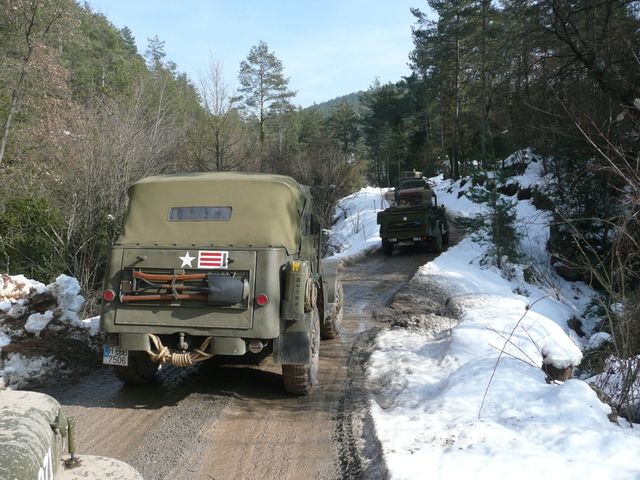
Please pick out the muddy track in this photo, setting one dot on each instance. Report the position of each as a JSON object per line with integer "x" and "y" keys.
{"x": 236, "y": 422}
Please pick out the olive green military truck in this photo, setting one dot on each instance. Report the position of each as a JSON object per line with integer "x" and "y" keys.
{"x": 414, "y": 217}
{"x": 33, "y": 433}
{"x": 219, "y": 264}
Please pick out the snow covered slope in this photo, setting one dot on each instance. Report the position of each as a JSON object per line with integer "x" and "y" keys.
{"x": 473, "y": 401}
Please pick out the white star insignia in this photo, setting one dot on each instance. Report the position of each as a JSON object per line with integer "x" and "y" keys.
{"x": 186, "y": 260}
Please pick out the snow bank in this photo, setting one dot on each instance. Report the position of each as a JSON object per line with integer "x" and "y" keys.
{"x": 356, "y": 231}
{"x": 20, "y": 295}
{"x": 428, "y": 409}
{"x": 28, "y": 309}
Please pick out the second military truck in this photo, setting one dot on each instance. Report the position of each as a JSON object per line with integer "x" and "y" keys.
{"x": 219, "y": 264}
{"x": 414, "y": 217}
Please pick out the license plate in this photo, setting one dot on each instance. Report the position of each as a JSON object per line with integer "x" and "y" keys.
{"x": 115, "y": 356}
{"x": 405, "y": 244}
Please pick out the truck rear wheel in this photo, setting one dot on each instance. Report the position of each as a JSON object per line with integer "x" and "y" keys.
{"x": 140, "y": 369}
{"x": 387, "y": 248}
{"x": 331, "y": 326}
{"x": 299, "y": 379}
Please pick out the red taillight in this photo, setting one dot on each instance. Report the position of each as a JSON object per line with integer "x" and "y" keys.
{"x": 108, "y": 295}
{"x": 262, "y": 299}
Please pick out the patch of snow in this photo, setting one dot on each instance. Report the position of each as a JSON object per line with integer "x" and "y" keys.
{"x": 18, "y": 310}
{"x": 598, "y": 339}
{"x": 18, "y": 370}
{"x": 559, "y": 356}
{"x": 15, "y": 287}
{"x": 617, "y": 309}
{"x": 38, "y": 321}
{"x": 92, "y": 325}
{"x": 67, "y": 292}
{"x": 429, "y": 394}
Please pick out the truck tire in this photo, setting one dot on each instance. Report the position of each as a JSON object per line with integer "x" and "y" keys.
{"x": 299, "y": 379}
{"x": 387, "y": 248}
{"x": 331, "y": 326}
{"x": 140, "y": 369}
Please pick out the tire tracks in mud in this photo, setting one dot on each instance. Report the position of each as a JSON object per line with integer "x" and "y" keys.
{"x": 360, "y": 453}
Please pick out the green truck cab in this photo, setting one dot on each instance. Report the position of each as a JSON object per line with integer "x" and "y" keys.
{"x": 414, "y": 217}
{"x": 219, "y": 264}
{"x": 33, "y": 433}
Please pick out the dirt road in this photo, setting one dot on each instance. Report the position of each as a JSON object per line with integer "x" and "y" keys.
{"x": 236, "y": 422}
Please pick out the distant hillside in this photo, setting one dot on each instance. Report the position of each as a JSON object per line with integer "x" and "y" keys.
{"x": 352, "y": 99}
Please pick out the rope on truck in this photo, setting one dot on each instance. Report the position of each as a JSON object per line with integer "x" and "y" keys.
{"x": 163, "y": 355}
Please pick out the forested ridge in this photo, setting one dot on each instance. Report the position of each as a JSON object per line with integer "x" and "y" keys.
{"x": 83, "y": 115}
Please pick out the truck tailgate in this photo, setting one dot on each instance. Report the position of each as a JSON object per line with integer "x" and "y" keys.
{"x": 153, "y": 289}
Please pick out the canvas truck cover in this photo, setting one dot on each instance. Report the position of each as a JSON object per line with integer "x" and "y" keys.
{"x": 258, "y": 210}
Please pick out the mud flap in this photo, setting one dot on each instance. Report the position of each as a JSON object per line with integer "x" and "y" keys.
{"x": 329, "y": 276}
{"x": 292, "y": 348}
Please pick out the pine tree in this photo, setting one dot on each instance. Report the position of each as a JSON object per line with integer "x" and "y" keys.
{"x": 129, "y": 40}
{"x": 264, "y": 88}
{"x": 343, "y": 126}
{"x": 496, "y": 226}
{"x": 155, "y": 52}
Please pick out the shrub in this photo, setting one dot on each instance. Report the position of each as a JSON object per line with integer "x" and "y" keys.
{"x": 30, "y": 242}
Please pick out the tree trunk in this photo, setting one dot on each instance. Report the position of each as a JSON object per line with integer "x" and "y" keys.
{"x": 13, "y": 109}
{"x": 17, "y": 91}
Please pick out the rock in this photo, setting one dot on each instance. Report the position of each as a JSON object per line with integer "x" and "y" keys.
{"x": 509, "y": 190}
{"x": 557, "y": 374}
{"x": 557, "y": 364}
{"x": 542, "y": 201}
{"x": 575, "y": 324}
{"x": 524, "y": 194}
{"x": 41, "y": 302}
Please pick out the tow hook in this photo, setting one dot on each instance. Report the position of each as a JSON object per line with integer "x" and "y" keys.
{"x": 182, "y": 344}
{"x": 256, "y": 346}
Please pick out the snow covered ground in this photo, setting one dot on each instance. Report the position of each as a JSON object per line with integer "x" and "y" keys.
{"x": 473, "y": 401}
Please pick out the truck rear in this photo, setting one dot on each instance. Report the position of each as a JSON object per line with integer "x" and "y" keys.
{"x": 218, "y": 264}
{"x": 414, "y": 218}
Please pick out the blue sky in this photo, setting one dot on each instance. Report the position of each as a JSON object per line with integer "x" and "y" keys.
{"x": 328, "y": 48}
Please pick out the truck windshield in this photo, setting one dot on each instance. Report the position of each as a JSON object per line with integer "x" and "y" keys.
{"x": 412, "y": 183}
{"x": 182, "y": 214}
